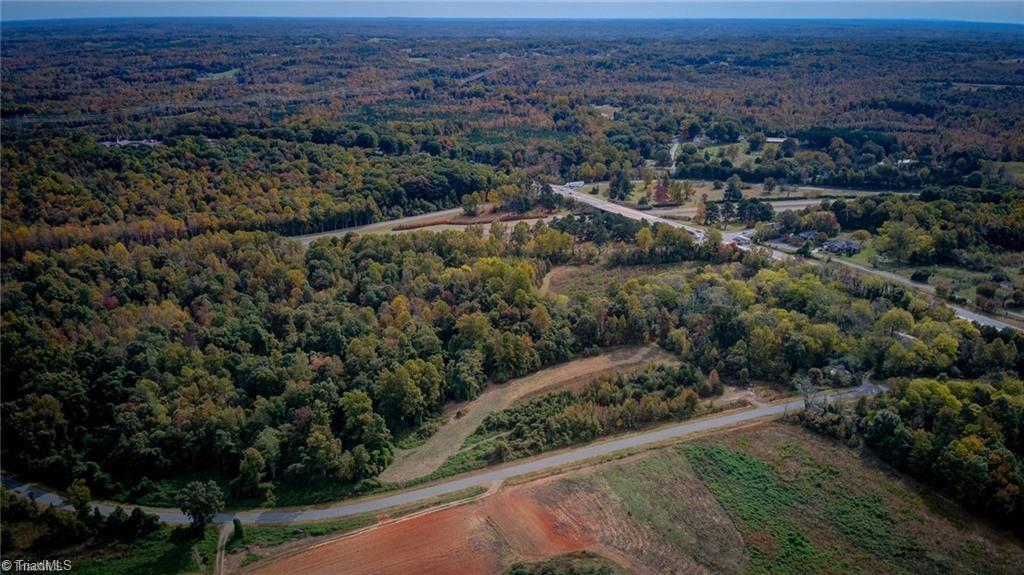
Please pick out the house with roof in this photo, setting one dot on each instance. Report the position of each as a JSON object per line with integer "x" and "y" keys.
{"x": 841, "y": 246}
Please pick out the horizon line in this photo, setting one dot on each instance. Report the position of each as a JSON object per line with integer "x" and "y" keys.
{"x": 537, "y": 19}
{"x": 927, "y": 11}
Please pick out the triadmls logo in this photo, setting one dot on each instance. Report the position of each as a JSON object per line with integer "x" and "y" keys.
{"x": 42, "y": 566}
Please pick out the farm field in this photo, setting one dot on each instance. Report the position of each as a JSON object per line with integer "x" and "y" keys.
{"x": 770, "y": 498}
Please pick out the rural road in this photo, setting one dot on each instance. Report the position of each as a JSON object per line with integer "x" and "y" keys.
{"x": 334, "y": 511}
{"x": 624, "y": 211}
{"x": 777, "y": 205}
{"x": 632, "y": 214}
{"x": 960, "y": 312}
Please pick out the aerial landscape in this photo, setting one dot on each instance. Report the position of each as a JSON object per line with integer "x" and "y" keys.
{"x": 345, "y": 293}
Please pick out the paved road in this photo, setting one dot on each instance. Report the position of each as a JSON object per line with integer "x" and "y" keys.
{"x": 480, "y": 479}
{"x": 777, "y": 205}
{"x": 776, "y": 253}
{"x": 960, "y": 312}
{"x": 608, "y": 206}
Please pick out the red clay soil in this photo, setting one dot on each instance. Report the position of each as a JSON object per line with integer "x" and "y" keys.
{"x": 482, "y": 537}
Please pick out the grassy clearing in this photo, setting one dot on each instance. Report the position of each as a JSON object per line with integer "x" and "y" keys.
{"x": 777, "y": 499}
{"x": 419, "y": 436}
{"x": 606, "y": 110}
{"x": 257, "y": 537}
{"x": 661, "y": 491}
{"x": 274, "y": 535}
{"x": 166, "y": 552}
{"x": 517, "y": 134}
{"x": 1010, "y": 172}
{"x": 225, "y": 75}
{"x": 805, "y": 505}
{"x": 743, "y": 154}
{"x": 758, "y": 503}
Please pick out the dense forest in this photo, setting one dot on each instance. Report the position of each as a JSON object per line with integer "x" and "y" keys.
{"x": 305, "y": 127}
{"x": 160, "y": 324}
{"x": 237, "y": 351}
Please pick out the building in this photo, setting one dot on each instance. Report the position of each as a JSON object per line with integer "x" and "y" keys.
{"x": 845, "y": 247}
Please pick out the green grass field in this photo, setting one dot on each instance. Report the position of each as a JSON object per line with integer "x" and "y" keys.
{"x": 226, "y": 74}
{"x": 778, "y": 499}
{"x": 166, "y": 552}
{"x": 743, "y": 154}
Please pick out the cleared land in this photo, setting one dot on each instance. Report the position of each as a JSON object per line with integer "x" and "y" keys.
{"x": 771, "y": 498}
{"x": 452, "y": 219}
{"x": 281, "y": 540}
{"x": 420, "y": 461}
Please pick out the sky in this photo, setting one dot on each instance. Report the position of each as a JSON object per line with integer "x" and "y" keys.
{"x": 970, "y": 10}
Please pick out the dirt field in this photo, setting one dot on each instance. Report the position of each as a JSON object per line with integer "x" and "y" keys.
{"x": 413, "y": 463}
{"x": 768, "y": 498}
{"x": 525, "y": 523}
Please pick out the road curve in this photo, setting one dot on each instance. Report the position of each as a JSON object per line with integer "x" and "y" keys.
{"x": 699, "y": 234}
{"x": 626, "y": 212}
{"x": 961, "y": 312}
{"x": 576, "y": 455}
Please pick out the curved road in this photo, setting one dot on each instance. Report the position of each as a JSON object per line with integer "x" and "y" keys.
{"x": 959, "y": 311}
{"x": 699, "y": 234}
{"x": 576, "y": 455}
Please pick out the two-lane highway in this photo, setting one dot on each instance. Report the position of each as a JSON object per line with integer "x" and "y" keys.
{"x": 486, "y": 478}
{"x": 612, "y": 207}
